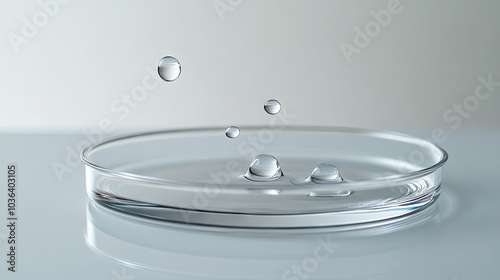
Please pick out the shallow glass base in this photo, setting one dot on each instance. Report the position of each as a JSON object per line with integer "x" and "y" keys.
{"x": 266, "y": 221}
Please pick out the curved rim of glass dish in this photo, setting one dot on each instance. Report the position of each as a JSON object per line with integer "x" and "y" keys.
{"x": 380, "y": 134}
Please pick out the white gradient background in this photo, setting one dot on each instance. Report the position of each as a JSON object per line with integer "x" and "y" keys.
{"x": 64, "y": 80}
{"x": 89, "y": 54}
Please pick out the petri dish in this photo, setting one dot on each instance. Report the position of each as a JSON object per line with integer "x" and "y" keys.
{"x": 200, "y": 176}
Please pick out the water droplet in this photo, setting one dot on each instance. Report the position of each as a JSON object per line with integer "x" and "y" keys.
{"x": 264, "y": 168}
{"x": 169, "y": 68}
{"x": 272, "y": 106}
{"x": 326, "y": 173}
{"x": 232, "y": 132}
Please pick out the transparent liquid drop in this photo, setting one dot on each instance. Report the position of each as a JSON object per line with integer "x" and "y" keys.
{"x": 264, "y": 168}
{"x": 232, "y": 132}
{"x": 272, "y": 106}
{"x": 169, "y": 68}
{"x": 326, "y": 173}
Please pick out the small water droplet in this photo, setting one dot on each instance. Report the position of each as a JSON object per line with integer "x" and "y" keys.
{"x": 169, "y": 68}
{"x": 232, "y": 132}
{"x": 264, "y": 168}
{"x": 272, "y": 106}
{"x": 325, "y": 173}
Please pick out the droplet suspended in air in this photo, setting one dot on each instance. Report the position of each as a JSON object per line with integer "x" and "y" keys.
{"x": 232, "y": 132}
{"x": 264, "y": 168}
{"x": 326, "y": 173}
{"x": 169, "y": 68}
{"x": 272, "y": 106}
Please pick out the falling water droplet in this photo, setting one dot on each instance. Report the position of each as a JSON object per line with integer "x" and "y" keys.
{"x": 169, "y": 68}
{"x": 325, "y": 173}
{"x": 264, "y": 168}
{"x": 232, "y": 132}
{"x": 272, "y": 106}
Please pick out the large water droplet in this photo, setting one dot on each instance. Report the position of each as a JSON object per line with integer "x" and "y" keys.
{"x": 169, "y": 68}
{"x": 272, "y": 106}
{"x": 232, "y": 132}
{"x": 264, "y": 168}
{"x": 326, "y": 173}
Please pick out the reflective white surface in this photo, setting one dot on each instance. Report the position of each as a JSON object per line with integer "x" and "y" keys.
{"x": 62, "y": 236}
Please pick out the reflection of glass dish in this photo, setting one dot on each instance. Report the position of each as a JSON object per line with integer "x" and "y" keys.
{"x": 197, "y": 176}
{"x": 382, "y": 250}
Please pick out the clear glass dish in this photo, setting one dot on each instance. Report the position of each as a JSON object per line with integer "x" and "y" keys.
{"x": 197, "y": 176}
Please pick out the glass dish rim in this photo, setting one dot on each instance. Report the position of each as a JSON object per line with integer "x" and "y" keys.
{"x": 375, "y": 133}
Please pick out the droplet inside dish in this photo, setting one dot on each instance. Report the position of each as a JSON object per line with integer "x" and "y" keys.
{"x": 264, "y": 168}
{"x": 272, "y": 106}
{"x": 232, "y": 132}
{"x": 326, "y": 173}
{"x": 169, "y": 69}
